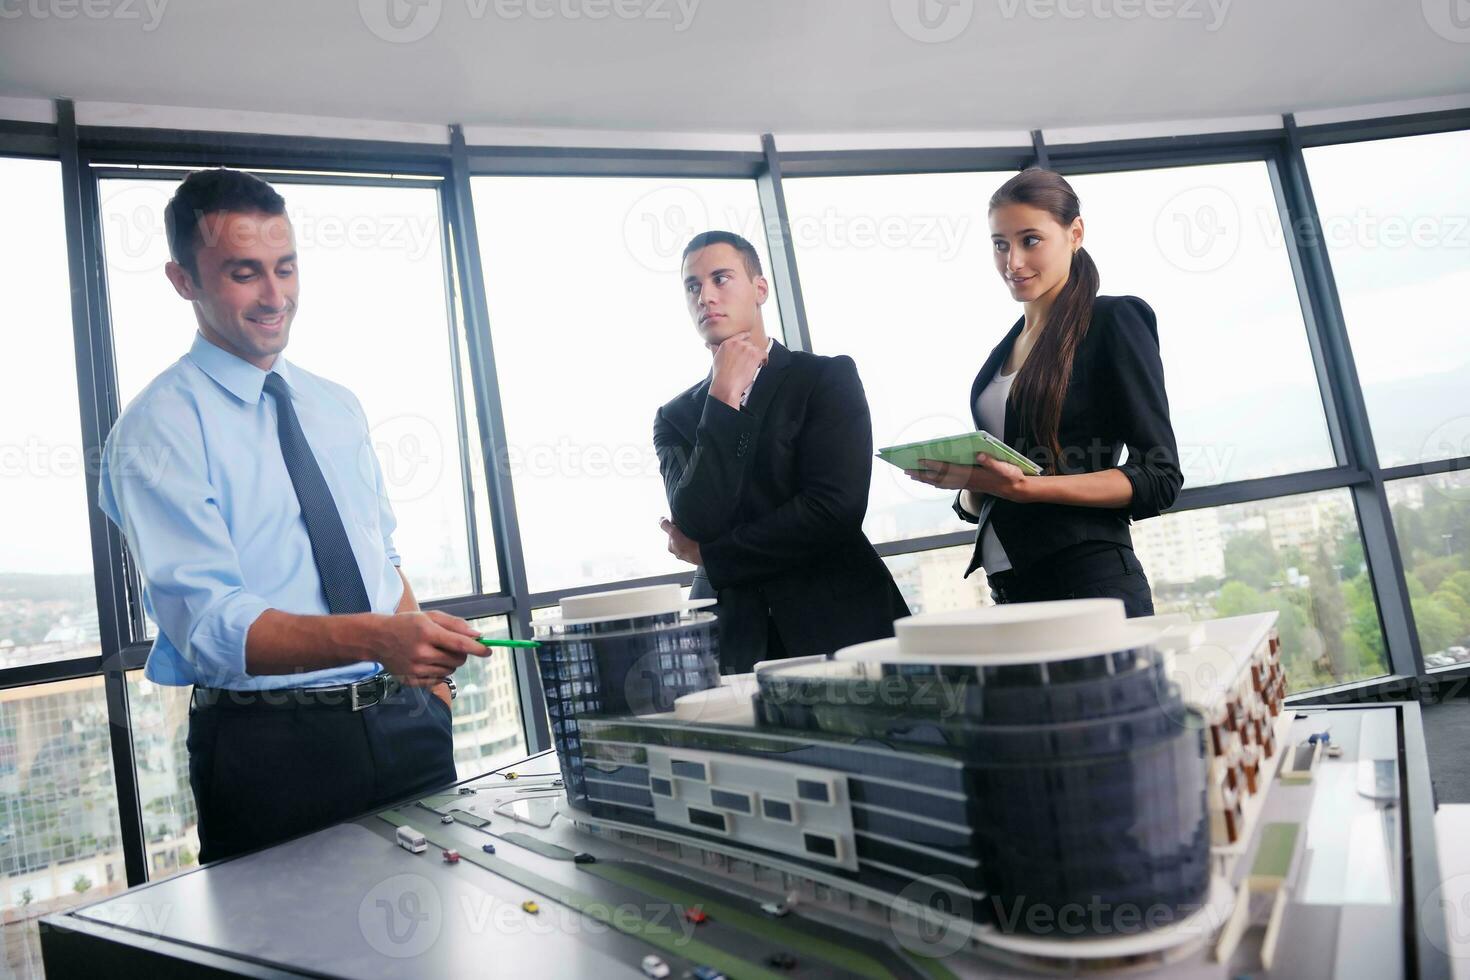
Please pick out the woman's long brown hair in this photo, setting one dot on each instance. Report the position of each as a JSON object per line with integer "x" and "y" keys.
{"x": 1041, "y": 386}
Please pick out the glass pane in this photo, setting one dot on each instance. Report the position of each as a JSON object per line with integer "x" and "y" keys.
{"x": 48, "y": 604}
{"x": 372, "y": 263}
{"x": 1300, "y": 555}
{"x": 1396, "y": 218}
{"x": 160, "y": 719}
{"x": 591, "y": 336}
{"x": 1431, "y": 518}
{"x": 487, "y": 714}
{"x": 60, "y": 842}
{"x": 1204, "y": 247}
{"x": 933, "y": 581}
{"x": 888, "y": 271}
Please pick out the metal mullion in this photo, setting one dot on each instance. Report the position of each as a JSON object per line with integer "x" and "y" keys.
{"x": 193, "y": 148}
{"x": 271, "y": 175}
{"x": 1385, "y": 127}
{"x": 783, "y": 250}
{"x": 1333, "y": 346}
{"x": 510, "y": 557}
{"x": 1042, "y": 158}
{"x": 474, "y": 607}
{"x": 461, "y": 422}
{"x": 542, "y": 161}
{"x": 1428, "y": 468}
{"x": 95, "y": 396}
{"x": 865, "y": 163}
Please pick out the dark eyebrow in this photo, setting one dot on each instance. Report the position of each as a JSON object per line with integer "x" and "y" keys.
{"x": 247, "y": 263}
{"x": 1021, "y": 232}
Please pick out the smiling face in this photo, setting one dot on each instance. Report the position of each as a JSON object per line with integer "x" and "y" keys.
{"x": 245, "y": 286}
{"x": 724, "y": 299}
{"x": 1033, "y": 251}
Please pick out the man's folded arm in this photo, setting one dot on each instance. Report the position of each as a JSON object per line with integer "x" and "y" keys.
{"x": 834, "y": 466}
{"x": 703, "y": 484}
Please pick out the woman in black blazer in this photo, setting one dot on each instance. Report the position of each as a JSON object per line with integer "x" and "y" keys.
{"x": 1076, "y": 379}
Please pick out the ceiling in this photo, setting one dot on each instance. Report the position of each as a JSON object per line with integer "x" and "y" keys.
{"x": 739, "y": 66}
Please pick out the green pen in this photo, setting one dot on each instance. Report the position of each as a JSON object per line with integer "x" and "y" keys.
{"x": 517, "y": 644}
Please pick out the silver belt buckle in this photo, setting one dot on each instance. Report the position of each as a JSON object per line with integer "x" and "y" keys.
{"x": 383, "y": 684}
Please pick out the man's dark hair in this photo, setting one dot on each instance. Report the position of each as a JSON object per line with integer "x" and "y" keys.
{"x": 747, "y": 251}
{"x": 205, "y": 192}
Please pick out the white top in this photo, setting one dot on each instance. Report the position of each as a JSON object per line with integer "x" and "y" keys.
{"x": 991, "y": 407}
{"x": 746, "y": 393}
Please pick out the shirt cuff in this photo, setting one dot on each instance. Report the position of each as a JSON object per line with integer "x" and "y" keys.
{"x": 217, "y": 650}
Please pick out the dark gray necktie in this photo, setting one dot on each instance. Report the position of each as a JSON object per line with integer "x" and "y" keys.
{"x": 335, "y": 562}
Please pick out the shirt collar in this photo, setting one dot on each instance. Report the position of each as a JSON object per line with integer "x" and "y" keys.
{"x": 237, "y": 376}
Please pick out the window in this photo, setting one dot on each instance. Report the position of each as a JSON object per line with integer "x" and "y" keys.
{"x": 777, "y": 810}
{"x": 160, "y": 720}
{"x": 896, "y": 272}
{"x": 591, "y": 336}
{"x": 934, "y": 580}
{"x": 1396, "y": 220}
{"x": 689, "y": 770}
{"x": 374, "y": 318}
{"x": 60, "y": 841}
{"x": 661, "y": 786}
{"x": 729, "y": 800}
{"x": 1431, "y": 518}
{"x": 48, "y": 604}
{"x": 1300, "y": 555}
{"x": 821, "y": 845}
{"x": 708, "y": 819}
{"x": 1205, "y": 248}
{"x": 488, "y": 732}
{"x": 810, "y": 789}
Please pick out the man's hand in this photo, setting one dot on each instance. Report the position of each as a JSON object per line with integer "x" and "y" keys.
{"x": 422, "y": 648}
{"x": 680, "y": 545}
{"x": 441, "y": 691}
{"x": 737, "y": 359}
{"x": 989, "y": 475}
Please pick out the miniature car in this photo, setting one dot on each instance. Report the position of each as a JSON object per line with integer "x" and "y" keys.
{"x": 781, "y": 961}
{"x": 530, "y": 907}
{"x": 582, "y": 857}
{"x": 696, "y": 915}
{"x": 488, "y": 848}
{"x": 777, "y": 909}
{"x": 706, "y": 973}
{"x": 451, "y": 857}
{"x": 412, "y": 841}
{"x": 510, "y": 775}
{"x": 655, "y": 967}
{"x": 466, "y": 791}
{"x": 446, "y": 819}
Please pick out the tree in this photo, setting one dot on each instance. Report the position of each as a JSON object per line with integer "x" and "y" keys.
{"x": 80, "y": 884}
{"x": 1250, "y": 560}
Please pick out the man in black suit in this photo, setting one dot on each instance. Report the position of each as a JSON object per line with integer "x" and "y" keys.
{"x": 766, "y": 463}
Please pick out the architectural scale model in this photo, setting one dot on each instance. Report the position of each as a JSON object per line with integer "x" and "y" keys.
{"x": 996, "y": 771}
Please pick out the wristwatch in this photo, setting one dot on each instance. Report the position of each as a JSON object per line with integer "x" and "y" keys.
{"x": 453, "y": 687}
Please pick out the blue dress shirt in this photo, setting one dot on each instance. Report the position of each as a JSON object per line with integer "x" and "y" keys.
{"x": 193, "y": 476}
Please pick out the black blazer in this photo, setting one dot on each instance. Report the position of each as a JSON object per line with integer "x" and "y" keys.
{"x": 1115, "y": 398}
{"x": 775, "y": 494}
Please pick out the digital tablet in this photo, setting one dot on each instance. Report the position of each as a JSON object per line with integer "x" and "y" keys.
{"x": 956, "y": 449}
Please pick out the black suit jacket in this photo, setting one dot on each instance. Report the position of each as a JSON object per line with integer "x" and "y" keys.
{"x": 1115, "y": 398}
{"x": 775, "y": 494}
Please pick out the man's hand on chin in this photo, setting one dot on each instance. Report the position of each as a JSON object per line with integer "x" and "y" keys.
{"x": 680, "y": 545}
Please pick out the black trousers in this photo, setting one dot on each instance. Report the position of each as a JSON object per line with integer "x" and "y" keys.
{"x": 264, "y": 774}
{"x": 1090, "y": 570}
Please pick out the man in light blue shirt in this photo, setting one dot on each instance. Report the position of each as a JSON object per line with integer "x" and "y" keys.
{"x": 254, "y": 507}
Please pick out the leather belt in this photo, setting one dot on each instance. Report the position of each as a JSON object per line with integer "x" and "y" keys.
{"x": 342, "y": 697}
